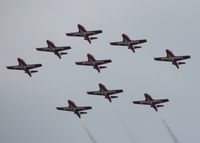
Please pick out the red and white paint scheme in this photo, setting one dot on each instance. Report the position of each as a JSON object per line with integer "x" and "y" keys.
{"x": 132, "y": 44}
{"x": 152, "y": 102}
{"x": 25, "y": 67}
{"x": 54, "y": 49}
{"x": 93, "y": 62}
{"x": 172, "y": 58}
{"x": 103, "y": 91}
{"x": 78, "y": 110}
{"x": 82, "y": 32}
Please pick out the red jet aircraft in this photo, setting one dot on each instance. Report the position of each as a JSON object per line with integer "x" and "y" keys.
{"x": 103, "y": 91}
{"x": 152, "y": 102}
{"x": 52, "y": 48}
{"x": 84, "y": 33}
{"x": 93, "y": 62}
{"x": 128, "y": 42}
{"x": 25, "y": 67}
{"x": 172, "y": 58}
{"x": 78, "y": 110}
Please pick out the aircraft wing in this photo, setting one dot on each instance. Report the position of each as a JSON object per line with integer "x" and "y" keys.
{"x": 158, "y": 101}
{"x": 100, "y": 62}
{"x": 166, "y": 59}
{"x": 110, "y": 92}
{"x": 121, "y": 43}
{"x": 82, "y": 108}
{"x": 46, "y": 49}
{"x": 95, "y": 93}
{"x": 84, "y": 63}
{"x": 14, "y": 67}
{"x": 144, "y": 102}
{"x": 64, "y": 108}
{"x": 179, "y": 58}
{"x": 77, "y": 34}
{"x": 33, "y": 66}
{"x": 94, "y": 32}
{"x": 135, "y": 42}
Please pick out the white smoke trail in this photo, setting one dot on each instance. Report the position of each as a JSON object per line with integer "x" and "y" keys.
{"x": 90, "y": 135}
{"x": 172, "y": 135}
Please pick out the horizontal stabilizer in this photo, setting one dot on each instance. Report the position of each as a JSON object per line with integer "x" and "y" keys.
{"x": 33, "y": 71}
{"x": 113, "y": 97}
{"x": 102, "y": 67}
{"x": 83, "y": 112}
{"x": 158, "y": 106}
{"x": 93, "y": 38}
{"x": 137, "y": 47}
{"x": 63, "y": 53}
{"x": 180, "y": 63}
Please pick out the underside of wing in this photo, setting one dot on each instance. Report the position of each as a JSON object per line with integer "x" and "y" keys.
{"x": 81, "y": 108}
{"x": 158, "y": 101}
{"x": 14, "y": 67}
{"x": 84, "y": 63}
{"x": 179, "y": 58}
{"x": 45, "y": 49}
{"x": 134, "y": 42}
{"x": 34, "y": 66}
{"x": 121, "y": 43}
{"x": 166, "y": 59}
{"x": 110, "y": 92}
{"x": 94, "y": 32}
{"x": 62, "y": 48}
{"x": 100, "y": 62}
{"x": 78, "y": 34}
{"x": 64, "y": 108}
{"x": 143, "y": 102}
{"x": 95, "y": 93}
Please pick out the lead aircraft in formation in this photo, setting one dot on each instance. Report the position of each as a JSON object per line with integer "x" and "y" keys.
{"x": 172, "y": 58}
{"x": 132, "y": 44}
{"x": 54, "y": 49}
{"x": 82, "y": 32}
{"x": 93, "y": 62}
{"x": 25, "y": 67}
{"x": 154, "y": 103}
{"x": 78, "y": 110}
{"x": 103, "y": 91}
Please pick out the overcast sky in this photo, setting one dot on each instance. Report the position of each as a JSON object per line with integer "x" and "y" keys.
{"x": 28, "y": 105}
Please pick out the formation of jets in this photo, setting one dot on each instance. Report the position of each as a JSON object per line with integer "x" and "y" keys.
{"x": 97, "y": 65}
